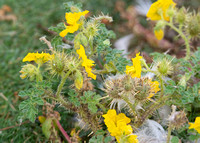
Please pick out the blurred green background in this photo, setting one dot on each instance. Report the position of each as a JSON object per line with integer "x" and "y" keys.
{"x": 22, "y": 36}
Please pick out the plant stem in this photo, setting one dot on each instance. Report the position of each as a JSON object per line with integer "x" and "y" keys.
{"x": 161, "y": 86}
{"x": 59, "y": 89}
{"x": 150, "y": 110}
{"x": 130, "y": 105}
{"x": 91, "y": 46}
{"x": 184, "y": 38}
{"x": 169, "y": 133}
{"x": 63, "y": 131}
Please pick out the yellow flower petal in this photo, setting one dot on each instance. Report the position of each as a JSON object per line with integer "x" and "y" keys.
{"x": 72, "y": 19}
{"x": 159, "y": 34}
{"x": 195, "y": 125}
{"x": 87, "y": 63}
{"x": 136, "y": 69}
{"x": 81, "y": 52}
{"x": 159, "y": 8}
{"x": 117, "y": 126}
{"x": 37, "y": 57}
{"x": 133, "y": 139}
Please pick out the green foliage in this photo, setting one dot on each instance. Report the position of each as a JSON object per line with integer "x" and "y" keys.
{"x": 71, "y": 4}
{"x": 100, "y": 137}
{"x": 91, "y": 99}
{"x": 175, "y": 139}
{"x": 194, "y": 137}
{"x": 28, "y": 107}
{"x": 111, "y": 56}
{"x": 74, "y": 97}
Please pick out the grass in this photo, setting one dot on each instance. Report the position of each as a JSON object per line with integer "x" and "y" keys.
{"x": 16, "y": 40}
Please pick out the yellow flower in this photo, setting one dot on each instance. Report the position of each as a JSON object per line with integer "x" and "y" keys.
{"x": 159, "y": 9}
{"x": 39, "y": 58}
{"x": 159, "y": 34}
{"x": 117, "y": 126}
{"x": 195, "y": 125}
{"x": 154, "y": 88}
{"x": 133, "y": 139}
{"x": 135, "y": 70}
{"x": 72, "y": 19}
{"x": 81, "y": 52}
{"x": 87, "y": 63}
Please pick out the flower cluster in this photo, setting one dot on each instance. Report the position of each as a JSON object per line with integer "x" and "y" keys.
{"x": 136, "y": 68}
{"x": 39, "y": 58}
{"x": 117, "y": 126}
{"x": 158, "y": 10}
{"x": 195, "y": 125}
{"x": 87, "y": 63}
{"x": 72, "y": 19}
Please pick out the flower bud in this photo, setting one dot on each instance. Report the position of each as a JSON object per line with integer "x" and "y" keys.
{"x": 78, "y": 80}
{"x": 30, "y": 71}
{"x": 159, "y": 34}
{"x": 160, "y": 25}
{"x": 171, "y": 12}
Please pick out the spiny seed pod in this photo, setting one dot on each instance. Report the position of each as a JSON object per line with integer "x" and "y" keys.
{"x": 103, "y": 18}
{"x": 61, "y": 63}
{"x": 135, "y": 89}
{"x": 164, "y": 67}
{"x": 72, "y": 63}
{"x": 112, "y": 86}
{"x": 91, "y": 30}
{"x": 57, "y": 64}
{"x": 177, "y": 118}
{"x": 193, "y": 26}
{"x": 181, "y": 15}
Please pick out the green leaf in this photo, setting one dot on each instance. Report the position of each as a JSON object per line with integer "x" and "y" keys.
{"x": 60, "y": 27}
{"x": 31, "y": 113}
{"x": 24, "y": 104}
{"x": 108, "y": 139}
{"x": 28, "y": 107}
{"x": 91, "y": 99}
{"x": 175, "y": 139}
{"x": 38, "y": 100}
{"x": 46, "y": 126}
{"x": 24, "y": 93}
{"x": 194, "y": 137}
{"x": 74, "y": 97}
{"x": 56, "y": 41}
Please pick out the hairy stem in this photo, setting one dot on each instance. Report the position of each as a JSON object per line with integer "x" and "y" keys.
{"x": 161, "y": 86}
{"x": 150, "y": 110}
{"x": 63, "y": 131}
{"x": 169, "y": 133}
{"x": 130, "y": 105}
{"x": 59, "y": 89}
{"x": 186, "y": 39}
